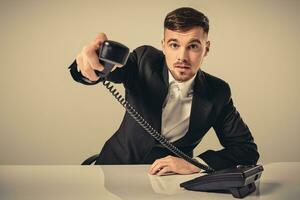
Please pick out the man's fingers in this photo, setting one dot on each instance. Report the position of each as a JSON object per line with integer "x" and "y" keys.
{"x": 79, "y": 61}
{"x": 90, "y": 58}
{"x": 90, "y": 52}
{"x": 93, "y": 56}
{"x": 157, "y": 163}
{"x": 153, "y": 165}
{"x": 151, "y": 169}
{"x": 89, "y": 73}
{"x": 100, "y": 38}
{"x": 164, "y": 171}
{"x": 157, "y": 166}
{"x": 92, "y": 75}
{"x": 171, "y": 164}
{"x": 94, "y": 62}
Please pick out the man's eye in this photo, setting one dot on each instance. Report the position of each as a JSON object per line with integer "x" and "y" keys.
{"x": 174, "y": 45}
{"x": 193, "y": 46}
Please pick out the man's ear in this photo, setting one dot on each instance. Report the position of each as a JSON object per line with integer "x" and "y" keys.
{"x": 207, "y": 48}
{"x": 163, "y": 45}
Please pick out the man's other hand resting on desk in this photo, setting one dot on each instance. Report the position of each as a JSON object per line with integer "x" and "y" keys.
{"x": 171, "y": 164}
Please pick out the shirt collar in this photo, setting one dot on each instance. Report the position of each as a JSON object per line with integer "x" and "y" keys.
{"x": 184, "y": 87}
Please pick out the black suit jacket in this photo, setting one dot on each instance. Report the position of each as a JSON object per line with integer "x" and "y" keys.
{"x": 145, "y": 78}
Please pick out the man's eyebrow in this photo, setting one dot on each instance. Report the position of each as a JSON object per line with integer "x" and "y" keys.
{"x": 172, "y": 40}
{"x": 195, "y": 40}
{"x": 192, "y": 41}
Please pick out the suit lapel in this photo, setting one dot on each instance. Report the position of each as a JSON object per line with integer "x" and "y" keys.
{"x": 165, "y": 74}
{"x": 159, "y": 87}
{"x": 200, "y": 111}
{"x": 201, "y": 105}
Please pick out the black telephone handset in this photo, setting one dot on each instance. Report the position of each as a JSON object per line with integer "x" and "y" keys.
{"x": 111, "y": 53}
{"x": 240, "y": 180}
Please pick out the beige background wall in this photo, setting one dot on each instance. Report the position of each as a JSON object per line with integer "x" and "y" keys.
{"x": 46, "y": 118}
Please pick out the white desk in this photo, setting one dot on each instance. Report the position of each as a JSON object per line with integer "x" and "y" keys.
{"x": 278, "y": 181}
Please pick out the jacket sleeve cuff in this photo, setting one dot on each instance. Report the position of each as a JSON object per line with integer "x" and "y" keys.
{"x": 200, "y": 160}
{"x": 77, "y": 76}
{"x": 212, "y": 159}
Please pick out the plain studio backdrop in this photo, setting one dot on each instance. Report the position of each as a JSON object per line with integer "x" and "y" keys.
{"x": 47, "y": 118}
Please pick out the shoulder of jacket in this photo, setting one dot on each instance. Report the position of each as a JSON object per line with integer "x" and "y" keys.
{"x": 147, "y": 50}
{"x": 149, "y": 56}
{"x": 217, "y": 85}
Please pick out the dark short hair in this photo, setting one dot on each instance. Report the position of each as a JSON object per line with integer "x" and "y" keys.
{"x": 185, "y": 18}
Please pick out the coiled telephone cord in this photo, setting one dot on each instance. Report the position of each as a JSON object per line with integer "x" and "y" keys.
{"x": 147, "y": 127}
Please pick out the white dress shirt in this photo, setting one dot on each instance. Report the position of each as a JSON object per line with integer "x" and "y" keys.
{"x": 177, "y": 109}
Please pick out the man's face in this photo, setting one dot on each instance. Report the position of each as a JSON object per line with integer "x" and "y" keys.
{"x": 185, "y": 51}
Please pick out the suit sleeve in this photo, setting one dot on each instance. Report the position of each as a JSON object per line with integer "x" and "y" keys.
{"x": 123, "y": 75}
{"x": 234, "y": 136}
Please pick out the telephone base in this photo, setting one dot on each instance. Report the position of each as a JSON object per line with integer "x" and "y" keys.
{"x": 241, "y": 192}
{"x": 239, "y": 181}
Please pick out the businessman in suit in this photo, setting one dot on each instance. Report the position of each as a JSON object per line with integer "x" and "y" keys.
{"x": 181, "y": 101}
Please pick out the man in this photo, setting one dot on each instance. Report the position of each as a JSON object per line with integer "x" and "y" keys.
{"x": 176, "y": 97}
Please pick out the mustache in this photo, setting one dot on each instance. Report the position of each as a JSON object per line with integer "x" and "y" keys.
{"x": 181, "y": 64}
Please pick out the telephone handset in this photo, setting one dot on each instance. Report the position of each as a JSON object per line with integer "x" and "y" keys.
{"x": 111, "y": 53}
{"x": 239, "y": 180}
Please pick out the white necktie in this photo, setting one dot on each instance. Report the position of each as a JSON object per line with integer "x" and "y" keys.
{"x": 175, "y": 115}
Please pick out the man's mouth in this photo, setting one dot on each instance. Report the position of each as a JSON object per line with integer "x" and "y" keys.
{"x": 182, "y": 66}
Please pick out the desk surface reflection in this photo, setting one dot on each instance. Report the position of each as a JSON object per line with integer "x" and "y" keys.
{"x": 278, "y": 181}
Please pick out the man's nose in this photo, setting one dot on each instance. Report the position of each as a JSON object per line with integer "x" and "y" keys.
{"x": 182, "y": 55}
